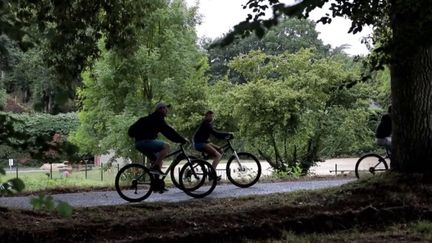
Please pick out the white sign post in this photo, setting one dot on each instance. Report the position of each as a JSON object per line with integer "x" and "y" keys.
{"x": 10, "y": 163}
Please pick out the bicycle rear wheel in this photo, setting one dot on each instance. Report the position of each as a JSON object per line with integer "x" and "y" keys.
{"x": 133, "y": 183}
{"x": 370, "y": 165}
{"x": 195, "y": 178}
{"x": 245, "y": 171}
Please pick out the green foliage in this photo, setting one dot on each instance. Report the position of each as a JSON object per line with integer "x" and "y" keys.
{"x": 33, "y": 83}
{"x": 10, "y": 26}
{"x": 46, "y": 124}
{"x": 9, "y": 133}
{"x": 290, "y": 35}
{"x": 41, "y": 181}
{"x": 295, "y": 107}
{"x": 47, "y": 203}
{"x": 11, "y": 185}
{"x": 294, "y": 170}
{"x": 424, "y": 227}
{"x": 382, "y": 85}
{"x": 28, "y": 135}
{"x": 3, "y": 97}
{"x": 167, "y": 65}
{"x": 71, "y": 29}
{"x": 360, "y": 12}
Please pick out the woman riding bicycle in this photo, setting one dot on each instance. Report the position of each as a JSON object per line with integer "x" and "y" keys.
{"x": 201, "y": 139}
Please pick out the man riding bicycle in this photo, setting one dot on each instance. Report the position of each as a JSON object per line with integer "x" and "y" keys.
{"x": 383, "y": 132}
{"x": 201, "y": 139}
{"x": 145, "y": 132}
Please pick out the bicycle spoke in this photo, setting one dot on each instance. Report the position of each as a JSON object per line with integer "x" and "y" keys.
{"x": 175, "y": 170}
{"x": 243, "y": 170}
{"x": 195, "y": 179}
{"x": 133, "y": 183}
{"x": 370, "y": 165}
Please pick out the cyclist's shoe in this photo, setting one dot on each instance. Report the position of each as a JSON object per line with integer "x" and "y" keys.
{"x": 218, "y": 178}
{"x": 162, "y": 190}
{"x": 159, "y": 186}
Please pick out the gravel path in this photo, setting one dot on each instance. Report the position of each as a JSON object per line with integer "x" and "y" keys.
{"x": 92, "y": 199}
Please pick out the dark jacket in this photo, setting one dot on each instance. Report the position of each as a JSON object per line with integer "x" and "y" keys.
{"x": 204, "y": 130}
{"x": 148, "y": 128}
{"x": 384, "y": 128}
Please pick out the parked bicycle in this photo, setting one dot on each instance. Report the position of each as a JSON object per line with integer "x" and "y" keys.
{"x": 135, "y": 182}
{"x": 372, "y": 164}
{"x": 243, "y": 169}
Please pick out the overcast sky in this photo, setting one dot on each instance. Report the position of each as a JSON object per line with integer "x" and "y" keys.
{"x": 219, "y": 16}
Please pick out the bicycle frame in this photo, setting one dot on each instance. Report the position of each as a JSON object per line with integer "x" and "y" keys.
{"x": 228, "y": 146}
{"x": 181, "y": 150}
{"x": 388, "y": 154}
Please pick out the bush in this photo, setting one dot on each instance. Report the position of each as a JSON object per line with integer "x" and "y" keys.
{"x": 39, "y": 136}
{"x": 3, "y": 97}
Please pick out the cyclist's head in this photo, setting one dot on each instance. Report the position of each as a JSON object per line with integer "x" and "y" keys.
{"x": 209, "y": 115}
{"x": 162, "y": 108}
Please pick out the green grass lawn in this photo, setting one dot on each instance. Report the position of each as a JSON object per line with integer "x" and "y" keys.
{"x": 40, "y": 181}
{"x": 77, "y": 180}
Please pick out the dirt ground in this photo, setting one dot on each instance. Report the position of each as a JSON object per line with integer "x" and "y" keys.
{"x": 361, "y": 206}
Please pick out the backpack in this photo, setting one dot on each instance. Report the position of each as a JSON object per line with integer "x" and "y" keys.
{"x": 132, "y": 130}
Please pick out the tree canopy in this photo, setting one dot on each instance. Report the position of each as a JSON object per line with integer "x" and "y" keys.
{"x": 290, "y": 35}
{"x": 405, "y": 43}
{"x": 167, "y": 65}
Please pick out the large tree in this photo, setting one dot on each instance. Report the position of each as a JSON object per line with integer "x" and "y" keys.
{"x": 405, "y": 45}
{"x": 167, "y": 65}
{"x": 290, "y": 35}
{"x": 295, "y": 107}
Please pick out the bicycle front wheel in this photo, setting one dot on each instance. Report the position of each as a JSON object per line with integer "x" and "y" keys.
{"x": 370, "y": 165}
{"x": 178, "y": 163}
{"x": 133, "y": 183}
{"x": 198, "y": 179}
{"x": 243, "y": 170}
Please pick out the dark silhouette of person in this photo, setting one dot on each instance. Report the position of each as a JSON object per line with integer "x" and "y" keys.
{"x": 383, "y": 133}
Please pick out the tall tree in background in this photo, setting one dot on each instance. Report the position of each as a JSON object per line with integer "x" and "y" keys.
{"x": 296, "y": 107}
{"x": 290, "y": 35}
{"x": 167, "y": 65}
{"x": 68, "y": 33}
{"x": 407, "y": 49}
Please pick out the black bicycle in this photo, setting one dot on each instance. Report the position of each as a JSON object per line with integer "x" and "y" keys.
{"x": 372, "y": 164}
{"x": 243, "y": 169}
{"x": 135, "y": 182}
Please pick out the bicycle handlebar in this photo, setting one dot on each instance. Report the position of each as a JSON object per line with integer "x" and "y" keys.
{"x": 229, "y": 137}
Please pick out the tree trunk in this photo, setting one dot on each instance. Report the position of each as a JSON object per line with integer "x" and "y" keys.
{"x": 411, "y": 81}
{"x": 412, "y": 113}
